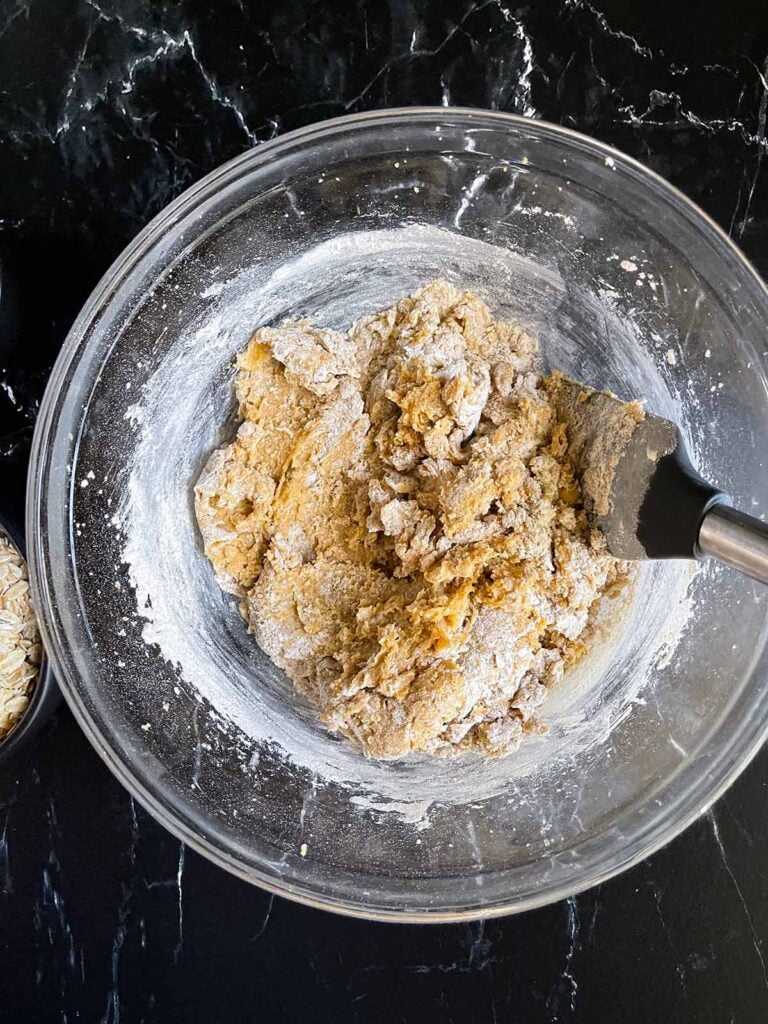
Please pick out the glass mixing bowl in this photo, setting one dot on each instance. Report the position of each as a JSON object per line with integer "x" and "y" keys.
{"x": 627, "y": 285}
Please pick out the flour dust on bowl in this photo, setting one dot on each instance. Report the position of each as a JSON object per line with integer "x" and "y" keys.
{"x": 627, "y": 286}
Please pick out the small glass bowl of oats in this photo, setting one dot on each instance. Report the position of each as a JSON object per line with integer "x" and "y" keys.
{"x": 28, "y": 691}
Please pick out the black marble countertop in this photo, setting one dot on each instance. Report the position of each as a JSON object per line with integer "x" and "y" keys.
{"x": 109, "y": 109}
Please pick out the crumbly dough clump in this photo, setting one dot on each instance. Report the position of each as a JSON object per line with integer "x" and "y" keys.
{"x": 402, "y": 519}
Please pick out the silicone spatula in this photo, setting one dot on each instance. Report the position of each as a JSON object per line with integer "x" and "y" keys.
{"x": 649, "y": 501}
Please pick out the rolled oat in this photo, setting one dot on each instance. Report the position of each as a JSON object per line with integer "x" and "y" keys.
{"x": 20, "y": 648}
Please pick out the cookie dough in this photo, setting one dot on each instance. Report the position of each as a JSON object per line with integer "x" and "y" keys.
{"x": 400, "y": 515}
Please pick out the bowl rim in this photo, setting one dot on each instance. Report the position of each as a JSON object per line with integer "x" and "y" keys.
{"x": 648, "y": 839}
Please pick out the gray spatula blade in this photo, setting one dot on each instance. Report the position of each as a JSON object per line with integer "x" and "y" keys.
{"x": 640, "y": 489}
{"x": 637, "y": 481}
{"x": 651, "y": 441}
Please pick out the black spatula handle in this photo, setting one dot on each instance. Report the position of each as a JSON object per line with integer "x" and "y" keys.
{"x": 736, "y": 539}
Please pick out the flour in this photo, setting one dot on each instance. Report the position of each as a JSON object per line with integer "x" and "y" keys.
{"x": 401, "y": 512}
{"x": 178, "y": 420}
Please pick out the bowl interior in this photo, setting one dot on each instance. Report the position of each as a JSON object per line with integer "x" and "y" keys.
{"x": 626, "y": 286}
